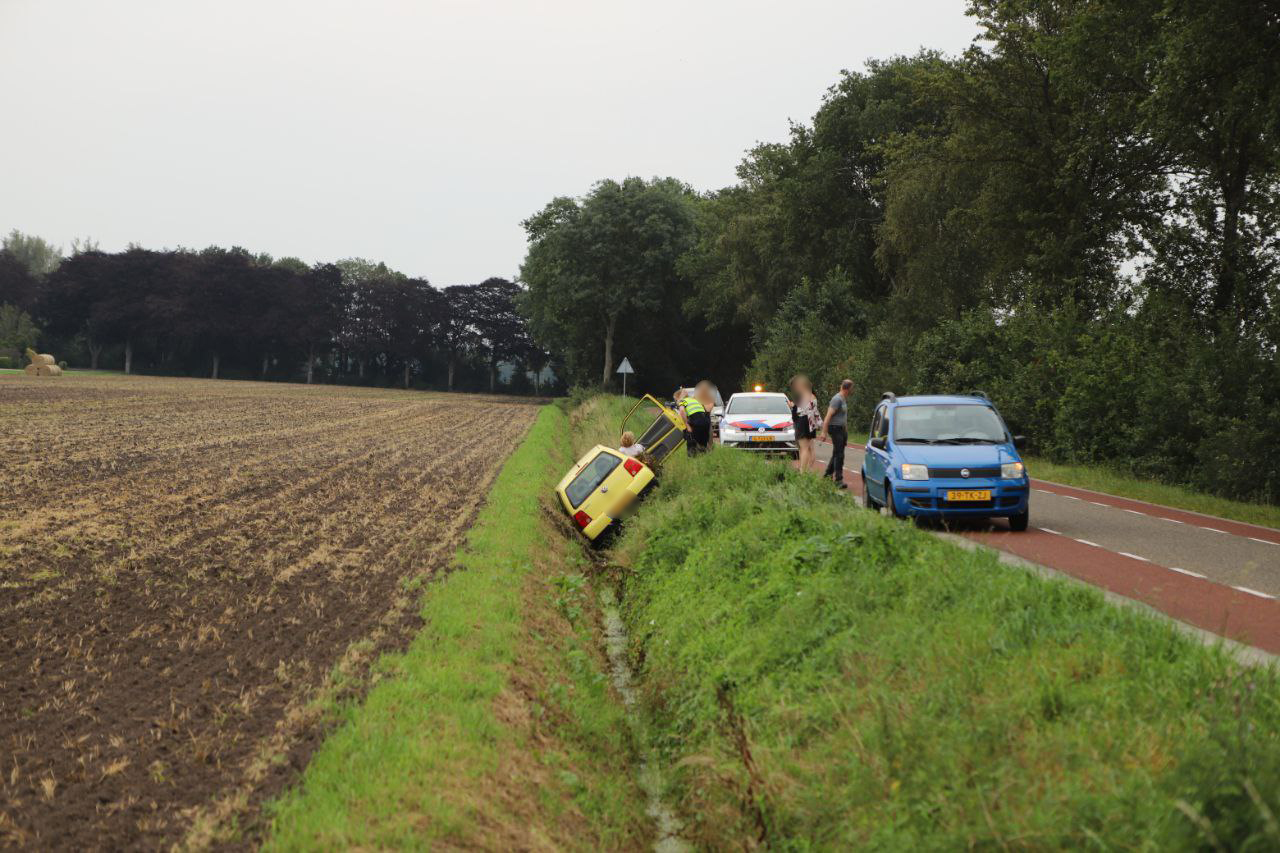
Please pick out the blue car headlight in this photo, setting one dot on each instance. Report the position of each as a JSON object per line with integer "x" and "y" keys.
{"x": 1012, "y": 471}
{"x": 914, "y": 472}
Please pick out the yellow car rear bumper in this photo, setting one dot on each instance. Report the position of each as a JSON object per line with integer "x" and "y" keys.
{"x": 625, "y": 497}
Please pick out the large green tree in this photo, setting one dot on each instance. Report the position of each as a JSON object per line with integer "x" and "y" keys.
{"x": 1033, "y": 188}
{"x": 17, "y": 332}
{"x": 603, "y": 262}
{"x": 812, "y": 206}
{"x": 39, "y": 256}
{"x": 1215, "y": 107}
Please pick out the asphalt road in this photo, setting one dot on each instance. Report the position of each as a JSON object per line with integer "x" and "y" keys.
{"x": 1219, "y": 575}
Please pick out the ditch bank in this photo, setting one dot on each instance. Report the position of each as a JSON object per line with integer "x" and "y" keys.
{"x": 812, "y": 675}
{"x": 498, "y": 728}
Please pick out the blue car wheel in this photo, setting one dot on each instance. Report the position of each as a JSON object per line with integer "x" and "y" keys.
{"x": 867, "y": 501}
{"x": 891, "y": 502}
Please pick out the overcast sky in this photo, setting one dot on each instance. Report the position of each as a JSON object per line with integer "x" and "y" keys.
{"x": 417, "y": 133}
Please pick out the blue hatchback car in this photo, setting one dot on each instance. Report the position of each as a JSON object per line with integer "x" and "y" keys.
{"x": 945, "y": 456}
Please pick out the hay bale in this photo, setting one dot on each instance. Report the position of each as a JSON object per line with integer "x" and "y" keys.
{"x": 42, "y": 364}
{"x": 42, "y": 370}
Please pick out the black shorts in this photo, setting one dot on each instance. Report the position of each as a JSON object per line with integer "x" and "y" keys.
{"x": 801, "y": 424}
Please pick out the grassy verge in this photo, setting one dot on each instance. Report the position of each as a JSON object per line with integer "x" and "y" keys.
{"x": 497, "y": 728}
{"x": 1102, "y": 479}
{"x": 598, "y": 419}
{"x": 818, "y": 677}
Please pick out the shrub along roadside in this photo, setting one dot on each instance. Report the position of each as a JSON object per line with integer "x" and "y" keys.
{"x": 1106, "y": 478}
{"x": 817, "y": 676}
{"x": 497, "y": 727}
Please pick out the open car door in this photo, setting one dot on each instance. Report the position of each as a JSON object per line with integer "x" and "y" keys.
{"x": 665, "y": 433}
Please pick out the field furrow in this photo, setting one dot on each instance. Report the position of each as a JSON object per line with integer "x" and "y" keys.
{"x": 186, "y": 567}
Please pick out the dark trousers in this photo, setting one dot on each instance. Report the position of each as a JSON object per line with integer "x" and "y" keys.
{"x": 839, "y": 438}
{"x": 699, "y": 435}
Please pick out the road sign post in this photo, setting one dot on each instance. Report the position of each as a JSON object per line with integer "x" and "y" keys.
{"x": 624, "y": 369}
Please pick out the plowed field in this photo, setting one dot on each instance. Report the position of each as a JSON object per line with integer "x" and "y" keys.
{"x": 191, "y": 572}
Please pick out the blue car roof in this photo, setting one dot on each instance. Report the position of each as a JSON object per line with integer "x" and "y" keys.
{"x": 940, "y": 399}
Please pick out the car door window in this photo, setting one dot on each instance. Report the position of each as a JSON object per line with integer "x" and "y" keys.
{"x": 875, "y": 422}
{"x": 884, "y": 423}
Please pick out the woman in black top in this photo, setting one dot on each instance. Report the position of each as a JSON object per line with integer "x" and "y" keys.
{"x": 806, "y": 419}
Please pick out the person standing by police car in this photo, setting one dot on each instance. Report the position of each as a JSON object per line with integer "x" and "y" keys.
{"x": 697, "y": 420}
{"x": 835, "y": 425}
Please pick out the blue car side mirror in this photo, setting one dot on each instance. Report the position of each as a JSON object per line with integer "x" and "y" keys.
{"x": 1020, "y": 442}
{"x": 878, "y": 442}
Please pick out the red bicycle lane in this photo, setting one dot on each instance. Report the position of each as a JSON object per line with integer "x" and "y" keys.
{"x": 1220, "y": 609}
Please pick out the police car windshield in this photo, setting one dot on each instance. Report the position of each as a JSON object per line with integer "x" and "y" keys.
{"x": 774, "y": 404}
{"x": 960, "y": 423}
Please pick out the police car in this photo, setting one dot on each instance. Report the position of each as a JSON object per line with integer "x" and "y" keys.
{"x": 759, "y": 421}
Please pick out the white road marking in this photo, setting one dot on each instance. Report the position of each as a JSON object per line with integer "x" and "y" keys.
{"x": 1047, "y": 530}
{"x": 1187, "y": 572}
{"x": 1264, "y": 541}
{"x": 1135, "y": 512}
{"x": 1134, "y": 556}
{"x": 1213, "y": 529}
{"x": 1174, "y": 520}
{"x": 1068, "y": 497}
{"x": 1095, "y": 503}
{"x": 1044, "y": 491}
{"x": 1253, "y": 592}
{"x": 1087, "y": 542}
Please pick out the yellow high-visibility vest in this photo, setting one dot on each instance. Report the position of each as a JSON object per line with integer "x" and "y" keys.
{"x": 692, "y": 406}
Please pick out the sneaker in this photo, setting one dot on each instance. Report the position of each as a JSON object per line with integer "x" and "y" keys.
{"x": 840, "y": 484}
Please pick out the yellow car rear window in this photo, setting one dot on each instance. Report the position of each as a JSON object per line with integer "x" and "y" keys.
{"x": 590, "y": 478}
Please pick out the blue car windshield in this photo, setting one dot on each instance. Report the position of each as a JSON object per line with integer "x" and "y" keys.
{"x": 952, "y": 423}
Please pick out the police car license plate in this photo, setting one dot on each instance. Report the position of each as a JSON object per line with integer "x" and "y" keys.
{"x": 970, "y": 495}
{"x": 762, "y": 438}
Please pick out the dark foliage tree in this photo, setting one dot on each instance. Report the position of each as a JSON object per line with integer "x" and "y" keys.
{"x": 500, "y": 329}
{"x": 228, "y": 312}
{"x": 457, "y": 333}
{"x": 18, "y": 287}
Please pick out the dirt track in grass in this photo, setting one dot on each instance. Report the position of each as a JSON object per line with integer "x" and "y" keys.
{"x": 189, "y": 568}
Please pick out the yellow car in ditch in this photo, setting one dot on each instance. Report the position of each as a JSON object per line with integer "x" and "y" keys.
{"x": 598, "y": 490}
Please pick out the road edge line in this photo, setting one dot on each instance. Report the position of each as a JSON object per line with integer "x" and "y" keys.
{"x": 1263, "y": 527}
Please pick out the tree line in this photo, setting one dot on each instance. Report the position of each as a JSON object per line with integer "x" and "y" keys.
{"x": 220, "y": 312}
{"x": 1079, "y": 215}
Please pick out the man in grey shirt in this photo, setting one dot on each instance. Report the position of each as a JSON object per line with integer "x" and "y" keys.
{"x": 835, "y": 426}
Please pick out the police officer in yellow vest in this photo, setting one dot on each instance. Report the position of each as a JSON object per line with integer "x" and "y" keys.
{"x": 697, "y": 421}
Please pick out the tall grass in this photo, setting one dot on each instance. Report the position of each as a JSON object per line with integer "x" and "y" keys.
{"x": 598, "y": 420}
{"x": 1112, "y": 480}
{"x": 821, "y": 678}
